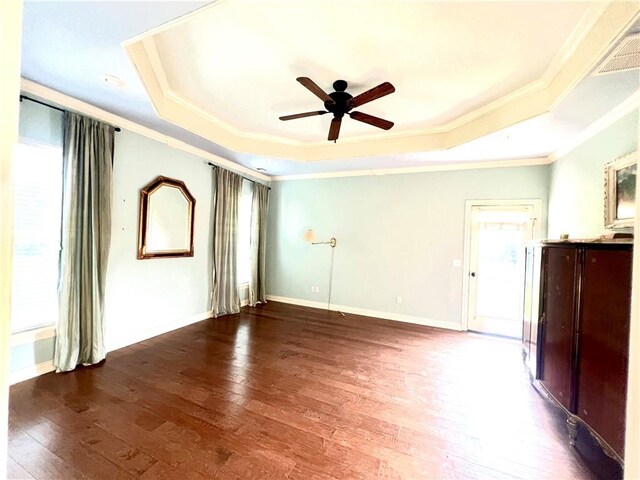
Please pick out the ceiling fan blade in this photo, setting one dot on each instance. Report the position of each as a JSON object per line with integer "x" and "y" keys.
{"x": 302, "y": 115}
{"x": 334, "y": 129}
{"x": 376, "y": 92}
{"x": 315, "y": 89}
{"x": 371, "y": 120}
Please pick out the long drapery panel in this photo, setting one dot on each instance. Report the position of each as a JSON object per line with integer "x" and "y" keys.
{"x": 259, "y": 210}
{"x": 86, "y": 236}
{"x": 226, "y": 294}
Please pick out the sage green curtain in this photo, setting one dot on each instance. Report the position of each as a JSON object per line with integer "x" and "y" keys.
{"x": 86, "y": 235}
{"x": 259, "y": 209}
{"x": 226, "y": 294}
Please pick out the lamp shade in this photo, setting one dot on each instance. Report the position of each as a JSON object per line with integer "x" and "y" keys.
{"x": 310, "y": 236}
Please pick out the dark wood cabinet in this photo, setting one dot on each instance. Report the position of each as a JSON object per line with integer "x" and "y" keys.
{"x": 581, "y": 344}
{"x": 558, "y": 318}
{"x": 603, "y": 349}
{"x": 531, "y": 310}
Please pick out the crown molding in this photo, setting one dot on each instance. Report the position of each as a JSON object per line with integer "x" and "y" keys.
{"x": 522, "y": 162}
{"x": 79, "y": 106}
{"x": 584, "y": 26}
{"x": 629, "y": 105}
{"x": 601, "y": 25}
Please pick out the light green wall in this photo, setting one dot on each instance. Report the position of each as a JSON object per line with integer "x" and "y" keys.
{"x": 40, "y": 124}
{"x": 31, "y": 354}
{"x": 397, "y": 236}
{"x": 141, "y": 295}
{"x": 144, "y": 294}
{"x": 576, "y": 192}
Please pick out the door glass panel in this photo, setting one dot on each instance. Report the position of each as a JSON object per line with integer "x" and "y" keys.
{"x": 498, "y": 237}
{"x": 500, "y": 269}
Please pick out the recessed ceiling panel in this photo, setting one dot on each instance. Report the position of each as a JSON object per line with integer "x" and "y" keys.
{"x": 461, "y": 69}
{"x": 239, "y": 60}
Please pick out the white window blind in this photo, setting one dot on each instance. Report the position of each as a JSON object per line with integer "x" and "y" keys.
{"x": 37, "y": 174}
{"x": 244, "y": 233}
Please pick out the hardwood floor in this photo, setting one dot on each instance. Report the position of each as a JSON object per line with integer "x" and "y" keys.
{"x": 281, "y": 391}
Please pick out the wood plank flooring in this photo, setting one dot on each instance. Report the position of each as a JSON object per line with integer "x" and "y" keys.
{"x": 280, "y": 391}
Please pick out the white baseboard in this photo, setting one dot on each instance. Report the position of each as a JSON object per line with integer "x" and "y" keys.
{"x": 368, "y": 313}
{"x": 45, "y": 367}
{"x": 244, "y": 294}
{"x": 121, "y": 342}
{"x": 32, "y": 336}
{"x": 142, "y": 335}
{"x": 31, "y": 371}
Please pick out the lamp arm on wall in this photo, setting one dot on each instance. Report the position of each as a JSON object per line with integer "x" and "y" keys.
{"x": 331, "y": 242}
{"x": 310, "y": 236}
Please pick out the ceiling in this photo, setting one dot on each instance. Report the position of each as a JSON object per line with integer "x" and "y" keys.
{"x": 475, "y": 81}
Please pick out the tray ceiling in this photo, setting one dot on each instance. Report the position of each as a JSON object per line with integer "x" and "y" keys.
{"x": 461, "y": 70}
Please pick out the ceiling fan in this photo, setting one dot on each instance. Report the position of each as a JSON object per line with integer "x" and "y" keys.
{"x": 340, "y": 103}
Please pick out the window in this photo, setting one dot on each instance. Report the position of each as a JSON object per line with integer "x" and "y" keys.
{"x": 244, "y": 233}
{"x": 37, "y": 174}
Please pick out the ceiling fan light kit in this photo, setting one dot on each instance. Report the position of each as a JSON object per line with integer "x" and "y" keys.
{"x": 341, "y": 103}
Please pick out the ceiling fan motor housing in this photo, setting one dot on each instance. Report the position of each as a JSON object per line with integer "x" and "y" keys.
{"x": 340, "y": 104}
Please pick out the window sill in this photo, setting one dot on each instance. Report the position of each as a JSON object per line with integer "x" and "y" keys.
{"x": 32, "y": 336}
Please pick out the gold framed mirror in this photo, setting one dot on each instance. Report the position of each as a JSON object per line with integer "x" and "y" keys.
{"x": 620, "y": 191}
{"x": 166, "y": 219}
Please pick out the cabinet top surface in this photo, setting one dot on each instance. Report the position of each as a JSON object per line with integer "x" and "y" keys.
{"x": 621, "y": 243}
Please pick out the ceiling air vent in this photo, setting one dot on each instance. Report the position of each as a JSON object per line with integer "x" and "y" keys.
{"x": 626, "y": 56}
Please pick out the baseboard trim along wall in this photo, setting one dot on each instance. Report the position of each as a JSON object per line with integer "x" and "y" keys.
{"x": 143, "y": 335}
{"x": 368, "y": 313}
{"x": 169, "y": 327}
{"x": 31, "y": 371}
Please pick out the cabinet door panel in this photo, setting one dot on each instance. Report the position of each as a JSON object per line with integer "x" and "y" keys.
{"x": 560, "y": 266}
{"x": 604, "y": 343}
{"x": 531, "y": 309}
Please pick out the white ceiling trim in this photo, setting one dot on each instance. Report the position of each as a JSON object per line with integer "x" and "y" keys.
{"x": 584, "y": 26}
{"x": 79, "y": 106}
{"x": 523, "y": 162}
{"x": 629, "y": 105}
{"x": 154, "y": 58}
{"x": 598, "y": 29}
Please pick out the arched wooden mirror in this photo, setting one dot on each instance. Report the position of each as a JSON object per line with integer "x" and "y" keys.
{"x": 166, "y": 219}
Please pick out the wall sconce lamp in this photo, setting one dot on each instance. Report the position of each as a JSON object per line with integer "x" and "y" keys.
{"x": 310, "y": 237}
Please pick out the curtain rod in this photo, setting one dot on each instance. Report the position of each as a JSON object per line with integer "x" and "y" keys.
{"x": 246, "y": 178}
{"x": 24, "y": 97}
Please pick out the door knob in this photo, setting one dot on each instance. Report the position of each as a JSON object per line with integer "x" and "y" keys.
{"x": 473, "y": 274}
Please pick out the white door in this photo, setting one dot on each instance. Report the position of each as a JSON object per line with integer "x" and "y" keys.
{"x": 496, "y": 267}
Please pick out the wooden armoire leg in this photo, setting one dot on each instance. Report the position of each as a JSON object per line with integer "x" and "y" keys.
{"x": 572, "y": 427}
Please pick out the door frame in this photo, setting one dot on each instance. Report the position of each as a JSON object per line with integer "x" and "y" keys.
{"x": 11, "y": 36}
{"x": 466, "y": 270}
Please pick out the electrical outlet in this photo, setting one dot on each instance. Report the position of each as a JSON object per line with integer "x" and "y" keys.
{"x": 317, "y": 289}
{"x": 313, "y": 289}
{"x": 398, "y": 300}
{"x": 456, "y": 263}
